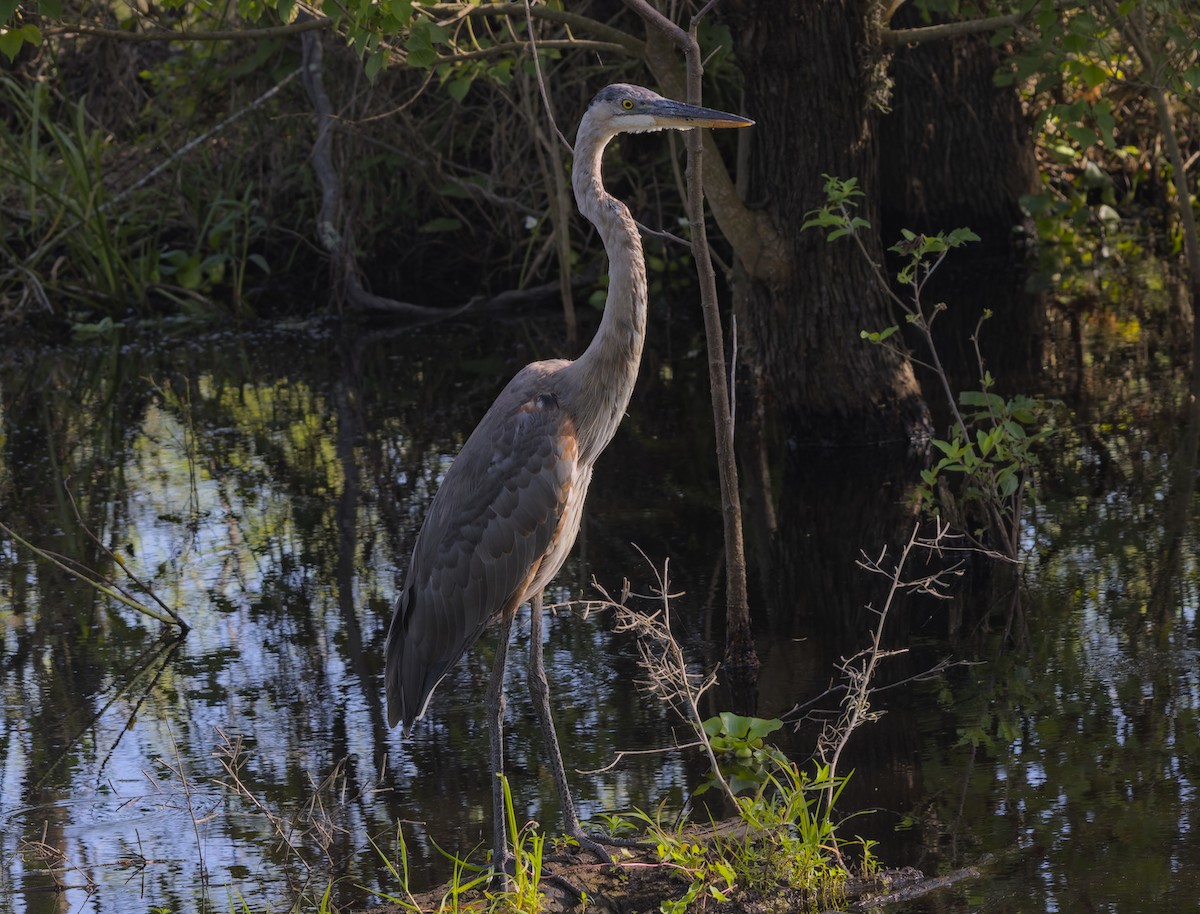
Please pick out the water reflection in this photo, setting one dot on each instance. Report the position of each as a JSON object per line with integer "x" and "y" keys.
{"x": 269, "y": 489}
{"x": 265, "y": 488}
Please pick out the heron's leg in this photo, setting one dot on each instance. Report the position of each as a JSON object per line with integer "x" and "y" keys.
{"x": 539, "y": 689}
{"x": 495, "y": 721}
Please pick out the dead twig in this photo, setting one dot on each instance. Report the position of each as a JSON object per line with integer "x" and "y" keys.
{"x": 667, "y": 673}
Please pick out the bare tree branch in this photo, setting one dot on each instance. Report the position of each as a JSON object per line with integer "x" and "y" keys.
{"x": 899, "y": 37}
{"x": 246, "y": 34}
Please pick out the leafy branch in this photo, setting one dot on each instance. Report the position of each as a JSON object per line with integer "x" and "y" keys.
{"x": 991, "y": 444}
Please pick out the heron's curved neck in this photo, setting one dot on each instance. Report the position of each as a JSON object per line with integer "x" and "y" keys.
{"x": 607, "y": 370}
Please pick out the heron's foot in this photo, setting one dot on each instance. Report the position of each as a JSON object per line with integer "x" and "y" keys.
{"x": 504, "y": 868}
{"x": 593, "y": 844}
{"x": 574, "y": 894}
{"x": 614, "y": 841}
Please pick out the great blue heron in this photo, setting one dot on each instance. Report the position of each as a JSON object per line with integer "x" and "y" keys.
{"x": 508, "y": 510}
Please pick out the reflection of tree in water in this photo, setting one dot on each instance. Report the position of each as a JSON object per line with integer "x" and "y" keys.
{"x": 270, "y": 490}
{"x": 1069, "y": 749}
{"x": 67, "y": 421}
{"x": 1168, "y": 595}
{"x": 833, "y": 506}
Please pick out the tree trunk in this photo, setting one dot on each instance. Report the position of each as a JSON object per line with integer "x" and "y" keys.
{"x": 960, "y": 153}
{"x": 809, "y": 81}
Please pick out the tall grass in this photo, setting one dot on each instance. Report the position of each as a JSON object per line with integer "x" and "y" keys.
{"x": 72, "y": 244}
{"x": 62, "y": 241}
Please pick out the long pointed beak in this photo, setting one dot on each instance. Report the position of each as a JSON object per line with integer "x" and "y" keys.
{"x": 669, "y": 113}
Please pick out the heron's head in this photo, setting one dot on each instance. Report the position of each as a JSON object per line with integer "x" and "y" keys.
{"x": 621, "y": 108}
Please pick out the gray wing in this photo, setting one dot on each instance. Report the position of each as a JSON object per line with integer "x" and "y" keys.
{"x": 493, "y": 520}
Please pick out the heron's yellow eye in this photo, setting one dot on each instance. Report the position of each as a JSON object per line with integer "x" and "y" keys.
{"x": 627, "y": 104}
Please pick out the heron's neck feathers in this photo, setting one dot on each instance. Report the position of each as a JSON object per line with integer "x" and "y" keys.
{"x": 606, "y": 372}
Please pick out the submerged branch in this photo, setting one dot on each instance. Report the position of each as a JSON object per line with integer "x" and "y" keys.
{"x": 145, "y": 588}
{"x": 99, "y": 583}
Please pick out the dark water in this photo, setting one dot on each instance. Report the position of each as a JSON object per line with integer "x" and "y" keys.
{"x": 269, "y": 488}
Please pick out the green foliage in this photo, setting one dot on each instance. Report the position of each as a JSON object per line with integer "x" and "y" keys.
{"x": 924, "y": 253}
{"x": 524, "y": 895}
{"x": 991, "y": 446}
{"x": 789, "y": 841}
{"x": 798, "y": 845}
{"x": 1104, "y": 80}
{"x": 521, "y": 896}
{"x": 80, "y": 247}
{"x": 16, "y": 31}
{"x": 837, "y": 213}
{"x": 220, "y": 256}
{"x": 995, "y": 464}
{"x": 64, "y": 228}
{"x": 738, "y": 744}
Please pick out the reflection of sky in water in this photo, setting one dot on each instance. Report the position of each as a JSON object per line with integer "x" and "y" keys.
{"x": 1122, "y": 699}
{"x": 122, "y": 800}
{"x": 266, "y": 663}
{"x": 244, "y": 543}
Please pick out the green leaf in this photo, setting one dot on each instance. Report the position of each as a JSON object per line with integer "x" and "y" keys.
{"x": 502, "y": 72}
{"x": 1024, "y": 415}
{"x": 1092, "y": 74}
{"x": 1084, "y": 136}
{"x": 421, "y": 39}
{"x": 400, "y": 12}
{"x": 1074, "y": 44}
{"x": 1008, "y": 480}
{"x": 422, "y": 58}
{"x": 981, "y": 399}
{"x": 821, "y": 217}
{"x": 760, "y": 728}
{"x": 458, "y": 88}
{"x": 441, "y": 224}
{"x": 12, "y": 39}
{"x": 986, "y": 441}
{"x": 734, "y": 724}
{"x": 374, "y": 64}
{"x": 946, "y": 447}
{"x": 189, "y": 275}
{"x": 7, "y": 8}
{"x": 879, "y": 336}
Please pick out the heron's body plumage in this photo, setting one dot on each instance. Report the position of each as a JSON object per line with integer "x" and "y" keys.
{"x": 519, "y": 485}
